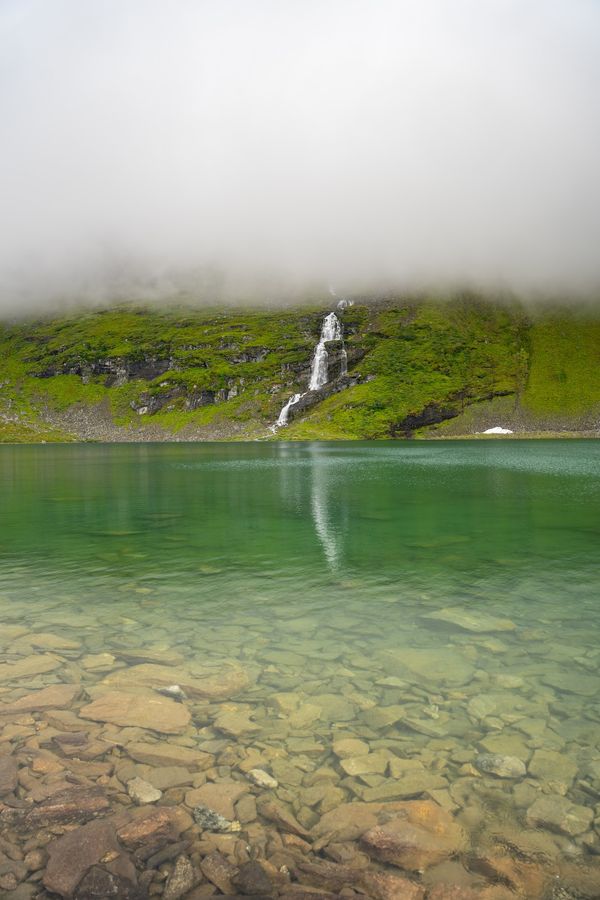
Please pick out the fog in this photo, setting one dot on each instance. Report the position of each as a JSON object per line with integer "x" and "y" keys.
{"x": 273, "y": 147}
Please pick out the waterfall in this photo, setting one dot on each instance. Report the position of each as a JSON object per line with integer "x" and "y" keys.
{"x": 331, "y": 330}
{"x": 285, "y": 412}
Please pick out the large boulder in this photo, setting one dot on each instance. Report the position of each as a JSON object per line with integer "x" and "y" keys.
{"x": 348, "y": 821}
{"x": 435, "y": 664}
{"x": 56, "y": 696}
{"x": 154, "y": 828}
{"x": 77, "y": 804}
{"x": 154, "y": 712}
{"x": 473, "y": 620}
{"x": 211, "y": 683}
{"x": 558, "y": 814}
{"x": 422, "y": 835}
{"x": 73, "y": 854}
{"x": 169, "y": 754}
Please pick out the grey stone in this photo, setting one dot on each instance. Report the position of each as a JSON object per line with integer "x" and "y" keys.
{"x": 501, "y": 766}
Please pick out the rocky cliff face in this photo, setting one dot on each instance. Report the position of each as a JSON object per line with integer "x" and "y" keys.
{"x": 413, "y": 367}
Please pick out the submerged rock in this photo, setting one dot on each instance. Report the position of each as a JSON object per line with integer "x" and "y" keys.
{"x": 174, "y": 691}
{"x": 38, "y": 664}
{"x": 156, "y": 713}
{"x": 197, "y": 681}
{"x": 252, "y": 879}
{"x": 210, "y": 820}
{"x": 501, "y": 766}
{"x": 262, "y": 779}
{"x": 142, "y": 791}
{"x": 558, "y": 814}
{"x": 73, "y": 854}
{"x": 57, "y": 696}
{"x": 100, "y": 884}
{"x": 576, "y": 683}
{"x": 181, "y": 880}
{"x": 219, "y": 871}
{"x": 158, "y": 826}
{"x": 164, "y": 754}
{"x": 235, "y": 723}
{"x": 553, "y": 767}
{"x": 276, "y": 811}
{"x": 78, "y": 804}
{"x": 8, "y": 774}
{"x": 423, "y": 835}
{"x": 470, "y": 620}
{"x": 218, "y": 797}
{"x": 438, "y": 664}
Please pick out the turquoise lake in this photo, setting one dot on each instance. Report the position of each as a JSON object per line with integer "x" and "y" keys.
{"x": 439, "y": 602}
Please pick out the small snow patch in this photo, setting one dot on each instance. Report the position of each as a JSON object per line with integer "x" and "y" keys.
{"x": 498, "y": 430}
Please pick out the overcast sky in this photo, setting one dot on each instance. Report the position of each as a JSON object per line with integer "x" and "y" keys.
{"x": 353, "y": 142}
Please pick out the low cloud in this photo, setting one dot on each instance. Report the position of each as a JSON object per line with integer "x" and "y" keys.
{"x": 233, "y": 147}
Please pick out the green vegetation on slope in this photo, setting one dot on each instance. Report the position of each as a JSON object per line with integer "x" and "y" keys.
{"x": 565, "y": 364}
{"x": 150, "y": 373}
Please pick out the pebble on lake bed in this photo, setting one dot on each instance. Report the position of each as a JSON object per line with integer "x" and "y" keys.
{"x": 210, "y": 820}
{"x": 142, "y": 791}
{"x": 262, "y": 779}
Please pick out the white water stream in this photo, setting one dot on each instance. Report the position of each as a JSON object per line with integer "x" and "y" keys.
{"x": 319, "y": 371}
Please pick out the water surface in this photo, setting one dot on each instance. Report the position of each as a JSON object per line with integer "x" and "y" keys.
{"x": 318, "y": 566}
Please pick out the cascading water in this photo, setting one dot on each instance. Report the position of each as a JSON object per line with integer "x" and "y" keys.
{"x": 319, "y": 371}
{"x": 331, "y": 331}
{"x": 285, "y": 412}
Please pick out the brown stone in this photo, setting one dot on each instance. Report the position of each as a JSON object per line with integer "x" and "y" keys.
{"x": 235, "y": 723}
{"x": 349, "y": 820}
{"x": 196, "y": 681}
{"x": 384, "y": 886}
{"x": 181, "y": 880}
{"x": 169, "y": 776}
{"x": 219, "y": 797}
{"x": 53, "y": 697}
{"x": 526, "y": 878}
{"x": 149, "y": 655}
{"x": 76, "y": 852}
{"x": 101, "y": 883}
{"x": 38, "y": 664}
{"x": 277, "y": 812}
{"x": 157, "y": 826}
{"x": 8, "y": 774}
{"x": 422, "y": 835}
{"x": 78, "y": 804}
{"x": 252, "y": 879}
{"x": 45, "y": 763}
{"x": 156, "y": 713}
{"x": 219, "y": 871}
{"x": 327, "y": 875}
{"x": 47, "y": 641}
{"x": 453, "y": 892}
{"x": 164, "y": 754}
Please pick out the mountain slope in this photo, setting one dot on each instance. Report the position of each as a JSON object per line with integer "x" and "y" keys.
{"x": 415, "y": 366}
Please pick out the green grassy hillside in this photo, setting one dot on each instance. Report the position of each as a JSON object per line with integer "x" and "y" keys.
{"x": 416, "y": 367}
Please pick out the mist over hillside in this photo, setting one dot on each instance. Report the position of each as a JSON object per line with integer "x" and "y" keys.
{"x": 261, "y": 151}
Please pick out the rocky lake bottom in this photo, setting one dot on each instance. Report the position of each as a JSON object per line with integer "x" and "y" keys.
{"x": 289, "y": 672}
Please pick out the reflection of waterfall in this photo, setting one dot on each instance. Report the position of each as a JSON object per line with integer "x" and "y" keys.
{"x": 328, "y": 538}
{"x": 319, "y": 371}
